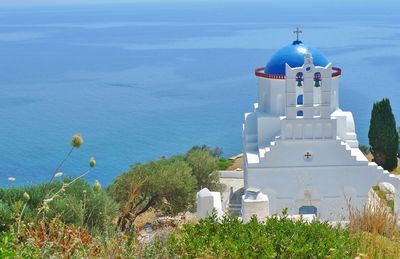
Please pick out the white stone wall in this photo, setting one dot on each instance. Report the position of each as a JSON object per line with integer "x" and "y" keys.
{"x": 207, "y": 202}
{"x": 329, "y": 188}
{"x": 258, "y": 207}
{"x": 271, "y": 96}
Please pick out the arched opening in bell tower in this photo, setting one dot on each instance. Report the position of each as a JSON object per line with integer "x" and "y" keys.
{"x": 300, "y": 99}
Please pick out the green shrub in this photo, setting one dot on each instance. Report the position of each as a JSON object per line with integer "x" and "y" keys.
{"x": 9, "y": 248}
{"x": 276, "y": 238}
{"x": 204, "y": 169}
{"x": 224, "y": 163}
{"x": 78, "y": 205}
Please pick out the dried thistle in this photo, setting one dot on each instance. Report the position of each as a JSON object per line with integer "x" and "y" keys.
{"x": 96, "y": 186}
{"x": 92, "y": 162}
{"x": 77, "y": 140}
{"x": 26, "y": 197}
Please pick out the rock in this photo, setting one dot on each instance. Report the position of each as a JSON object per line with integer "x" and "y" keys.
{"x": 386, "y": 187}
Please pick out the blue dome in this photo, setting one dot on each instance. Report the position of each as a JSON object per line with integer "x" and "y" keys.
{"x": 293, "y": 55}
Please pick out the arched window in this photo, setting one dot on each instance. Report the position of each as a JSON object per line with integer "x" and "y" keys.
{"x": 317, "y": 79}
{"x": 300, "y": 99}
{"x": 299, "y": 79}
{"x": 308, "y": 210}
{"x": 300, "y": 113}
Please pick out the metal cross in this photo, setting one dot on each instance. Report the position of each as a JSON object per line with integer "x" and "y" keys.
{"x": 297, "y": 31}
{"x": 308, "y": 155}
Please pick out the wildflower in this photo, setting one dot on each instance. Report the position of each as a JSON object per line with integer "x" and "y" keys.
{"x": 58, "y": 174}
{"x": 92, "y": 162}
{"x": 11, "y": 179}
{"x": 77, "y": 140}
{"x": 96, "y": 186}
{"x": 26, "y": 197}
{"x": 45, "y": 208}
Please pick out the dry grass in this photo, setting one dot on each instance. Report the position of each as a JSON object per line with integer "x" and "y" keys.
{"x": 149, "y": 216}
{"x": 376, "y": 246}
{"x": 377, "y": 231}
{"x": 374, "y": 219}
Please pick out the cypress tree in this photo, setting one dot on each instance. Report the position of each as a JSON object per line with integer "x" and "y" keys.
{"x": 382, "y": 135}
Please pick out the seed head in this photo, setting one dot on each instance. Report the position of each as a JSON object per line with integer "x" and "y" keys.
{"x": 96, "y": 186}
{"x": 77, "y": 140}
{"x": 26, "y": 197}
{"x": 92, "y": 162}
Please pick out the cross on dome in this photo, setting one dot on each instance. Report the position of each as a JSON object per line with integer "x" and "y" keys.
{"x": 297, "y": 31}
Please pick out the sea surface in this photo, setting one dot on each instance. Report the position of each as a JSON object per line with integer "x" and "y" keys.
{"x": 143, "y": 81}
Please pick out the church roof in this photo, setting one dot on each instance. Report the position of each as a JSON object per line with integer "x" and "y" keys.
{"x": 293, "y": 55}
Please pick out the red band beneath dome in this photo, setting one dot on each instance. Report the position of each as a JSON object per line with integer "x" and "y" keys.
{"x": 260, "y": 72}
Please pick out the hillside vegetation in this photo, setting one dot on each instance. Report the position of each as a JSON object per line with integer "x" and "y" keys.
{"x": 69, "y": 218}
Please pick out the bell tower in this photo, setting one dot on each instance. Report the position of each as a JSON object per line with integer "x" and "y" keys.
{"x": 308, "y": 102}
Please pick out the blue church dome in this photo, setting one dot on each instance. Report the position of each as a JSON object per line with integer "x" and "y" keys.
{"x": 293, "y": 55}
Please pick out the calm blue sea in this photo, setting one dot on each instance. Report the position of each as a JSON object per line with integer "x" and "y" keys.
{"x": 148, "y": 80}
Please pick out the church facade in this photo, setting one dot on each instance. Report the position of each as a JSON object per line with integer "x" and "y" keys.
{"x": 300, "y": 149}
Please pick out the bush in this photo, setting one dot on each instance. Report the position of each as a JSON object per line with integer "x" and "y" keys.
{"x": 276, "y": 238}
{"x": 224, "y": 163}
{"x": 9, "y": 247}
{"x": 204, "y": 169}
{"x": 78, "y": 205}
{"x": 165, "y": 185}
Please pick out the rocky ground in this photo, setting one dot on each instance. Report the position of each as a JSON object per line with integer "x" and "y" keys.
{"x": 160, "y": 227}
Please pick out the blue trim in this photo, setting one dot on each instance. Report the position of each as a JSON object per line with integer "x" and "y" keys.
{"x": 293, "y": 55}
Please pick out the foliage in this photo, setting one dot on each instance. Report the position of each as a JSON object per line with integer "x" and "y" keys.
{"x": 276, "y": 238}
{"x": 224, "y": 163}
{"x": 376, "y": 246}
{"x": 56, "y": 239}
{"x": 78, "y": 204}
{"x": 9, "y": 247}
{"x": 204, "y": 168}
{"x": 364, "y": 149}
{"x": 165, "y": 185}
{"x": 382, "y": 196}
{"x": 383, "y": 136}
{"x": 214, "y": 152}
{"x": 375, "y": 219}
{"x": 398, "y": 146}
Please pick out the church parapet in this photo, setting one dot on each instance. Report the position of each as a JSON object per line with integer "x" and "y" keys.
{"x": 259, "y": 72}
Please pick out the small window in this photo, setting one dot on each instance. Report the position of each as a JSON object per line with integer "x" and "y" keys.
{"x": 308, "y": 210}
{"x": 300, "y": 99}
{"x": 300, "y": 113}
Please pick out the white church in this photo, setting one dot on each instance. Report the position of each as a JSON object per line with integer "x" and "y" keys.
{"x": 300, "y": 149}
